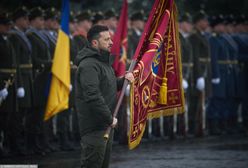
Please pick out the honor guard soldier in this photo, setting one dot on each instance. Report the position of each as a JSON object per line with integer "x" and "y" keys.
{"x": 23, "y": 50}
{"x": 50, "y": 31}
{"x": 75, "y": 134}
{"x": 218, "y": 110}
{"x": 42, "y": 62}
{"x": 137, "y": 24}
{"x": 241, "y": 37}
{"x": 233, "y": 78}
{"x": 9, "y": 82}
{"x": 51, "y": 17}
{"x": 84, "y": 23}
{"x": 201, "y": 73}
{"x": 98, "y": 18}
{"x": 111, "y": 20}
{"x": 185, "y": 29}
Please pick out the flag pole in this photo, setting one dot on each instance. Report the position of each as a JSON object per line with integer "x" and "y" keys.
{"x": 117, "y": 107}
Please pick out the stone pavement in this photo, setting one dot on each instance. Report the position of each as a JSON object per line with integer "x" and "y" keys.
{"x": 208, "y": 152}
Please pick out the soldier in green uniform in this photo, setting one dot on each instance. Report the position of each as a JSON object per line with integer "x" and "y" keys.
{"x": 75, "y": 134}
{"x": 10, "y": 81}
{"x": 201, "y": 86}
{"x": 42, "y": 62}
{"x": 98, "y": 18}
{"x": 23, "y": 49}
{"x": 137, "y": 24}
{"x": 84, "y": 23}
{"x": 111, "y": 20}
{"x": 50, "y": 31}
{"x": 185, "y": 29}
{"x": 51, "y": 17}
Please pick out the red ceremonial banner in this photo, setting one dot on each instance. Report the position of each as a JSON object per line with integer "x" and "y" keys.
{"x": 119, "y": 48}
{"x": 157, "y": 88}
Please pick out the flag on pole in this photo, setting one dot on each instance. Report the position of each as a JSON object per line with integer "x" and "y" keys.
{"x": 119, "y": 48}
{"x": 157, "y": 88}
{"x": 60, "y": 83}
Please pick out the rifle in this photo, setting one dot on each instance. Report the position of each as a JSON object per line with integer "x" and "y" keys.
{"x": 200, "y": 113}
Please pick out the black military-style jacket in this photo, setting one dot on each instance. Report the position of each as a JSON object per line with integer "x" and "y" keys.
{"x": 42, "y": 63}
{"x": 23, "y": 49}
{"x": 8, "y": 74}
{"x": 96, "y": 89}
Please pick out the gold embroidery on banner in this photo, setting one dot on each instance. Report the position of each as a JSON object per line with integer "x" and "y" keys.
{"x": 146, "y": 96}
{"x": 173, "y": 98}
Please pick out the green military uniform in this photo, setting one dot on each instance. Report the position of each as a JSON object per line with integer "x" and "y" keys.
{"x": 96, "y": 87}
{"x": 187, "y": 65}
{"x": 79, "y": 36}
{"x": 42, "y": 62}
{"x": 51, "y": 16}
{"x": 8, "y": 109}
{"x": 201, "y": 68}
{"x": 75, "y": 127}
{"x": 23, "y": 49}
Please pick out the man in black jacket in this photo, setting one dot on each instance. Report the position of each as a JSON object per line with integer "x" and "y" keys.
{"x": 96, "y": 88}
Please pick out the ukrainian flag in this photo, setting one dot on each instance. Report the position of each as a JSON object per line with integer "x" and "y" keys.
{"x": 58, "y": 98}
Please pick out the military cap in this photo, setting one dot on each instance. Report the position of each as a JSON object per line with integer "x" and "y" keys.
{"x": 36, "y": 12}
{"x": 215, "y": 20}
{"x": 229, "y": 19}
{"x": 51, "y": 13}
{"x": 201, "y": 15}
{"x": 85, "y": 15}
{"x": 20, "y": 12}
{"x": 139, "y": 15}
{"x": 97, "y": 17}
{"x": 186, "y": 17}
{"x": 72, "y": 17}
{"x": 110, "y": 13}
{"x": 4, "y": 19}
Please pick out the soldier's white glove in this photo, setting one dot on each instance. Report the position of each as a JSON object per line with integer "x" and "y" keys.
{"x": 127, "y": 91}
{"x": 200, "y": 84}
{"x": 20, "y": 92}
{"x": 4, "y": 93}
{"x": 71, "y": 88}
{"x": 215, "y": 80}
{"x": 185, "y": 84}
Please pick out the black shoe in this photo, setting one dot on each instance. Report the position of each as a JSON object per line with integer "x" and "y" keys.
{"x": 29, "y": 152}
{"x": 53, "y": 148}
{"x": 3, "y": 153}
{"x": 39, "y": 152}
{"x": 66, "y": 147}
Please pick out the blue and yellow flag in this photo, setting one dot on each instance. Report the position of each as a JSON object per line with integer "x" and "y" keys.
{"x": 60, "y": 83}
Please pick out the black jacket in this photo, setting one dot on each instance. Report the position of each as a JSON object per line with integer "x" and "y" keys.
{"x": 96, "y": 88}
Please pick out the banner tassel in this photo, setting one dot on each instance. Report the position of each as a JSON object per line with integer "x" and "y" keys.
{"x": 163, "y": 92}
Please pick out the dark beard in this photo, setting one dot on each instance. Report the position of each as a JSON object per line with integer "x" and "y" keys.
{"x": 104, "y": 52}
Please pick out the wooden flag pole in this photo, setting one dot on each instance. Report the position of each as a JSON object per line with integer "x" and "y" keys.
{"x": 131, "y": 67}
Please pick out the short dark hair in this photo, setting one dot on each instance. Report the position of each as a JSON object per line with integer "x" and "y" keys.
{"x": 94, "y": 32}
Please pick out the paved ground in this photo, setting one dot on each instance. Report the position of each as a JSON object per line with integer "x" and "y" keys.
{"x": 208, "y": 152}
